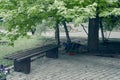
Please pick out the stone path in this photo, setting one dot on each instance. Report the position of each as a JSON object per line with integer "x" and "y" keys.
{"x": 77, "y": 67}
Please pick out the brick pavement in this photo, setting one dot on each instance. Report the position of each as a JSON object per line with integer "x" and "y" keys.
{"x": 77, "y": 67}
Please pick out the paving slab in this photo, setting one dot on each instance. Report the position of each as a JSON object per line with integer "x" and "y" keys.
{"x": 76, "y": 67}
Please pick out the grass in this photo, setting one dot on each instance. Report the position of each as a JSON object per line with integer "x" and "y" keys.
{"x": 20, "y": 44}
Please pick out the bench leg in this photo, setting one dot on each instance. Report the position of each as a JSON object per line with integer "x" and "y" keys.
{"x": 52, "y": 53}
{"x": 22, "y": 66}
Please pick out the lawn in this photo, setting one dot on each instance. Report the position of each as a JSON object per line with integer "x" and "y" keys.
{"x": 20, "y": 44}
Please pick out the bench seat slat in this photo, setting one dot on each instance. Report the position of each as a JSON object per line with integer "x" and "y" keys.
{"x": 35, "y": 53}
{"x": 29, "y": 53}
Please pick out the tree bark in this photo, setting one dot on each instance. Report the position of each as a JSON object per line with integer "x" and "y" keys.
{"x": 33, "y": 31}
{"x": 119, "y": 3}
{"x": 57, "y": 35}
{"x": 102, "y": 32}
{"x": 93, "y": 35}
{"x": 67, "y": 32}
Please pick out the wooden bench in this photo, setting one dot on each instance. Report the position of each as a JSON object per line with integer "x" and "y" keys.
{"x": 22, "y": 59}
{"x": 3, "y": 42}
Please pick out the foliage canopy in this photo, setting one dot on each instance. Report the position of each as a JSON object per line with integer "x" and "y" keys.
{"x": 20, "y": 16}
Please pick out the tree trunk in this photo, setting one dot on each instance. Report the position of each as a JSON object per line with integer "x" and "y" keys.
{"x": 33, "y": 31}
{"x": 102, "y": 32}
{"x": 67, "y": 32}
{"x": 93, "y": 35}
{"x": 57, "y": 35}
{"x": 119, "y": 3}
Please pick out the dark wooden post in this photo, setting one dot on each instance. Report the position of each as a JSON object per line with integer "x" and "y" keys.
{"x": 22, "y": 66}
{"x": 53, "y": 53}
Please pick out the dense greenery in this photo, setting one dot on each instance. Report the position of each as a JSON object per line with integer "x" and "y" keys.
{"x": 20, "y": 16}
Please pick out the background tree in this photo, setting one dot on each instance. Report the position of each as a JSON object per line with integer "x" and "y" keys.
{"x": 94, "y": 10}
{"x": 20, "y": 16}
